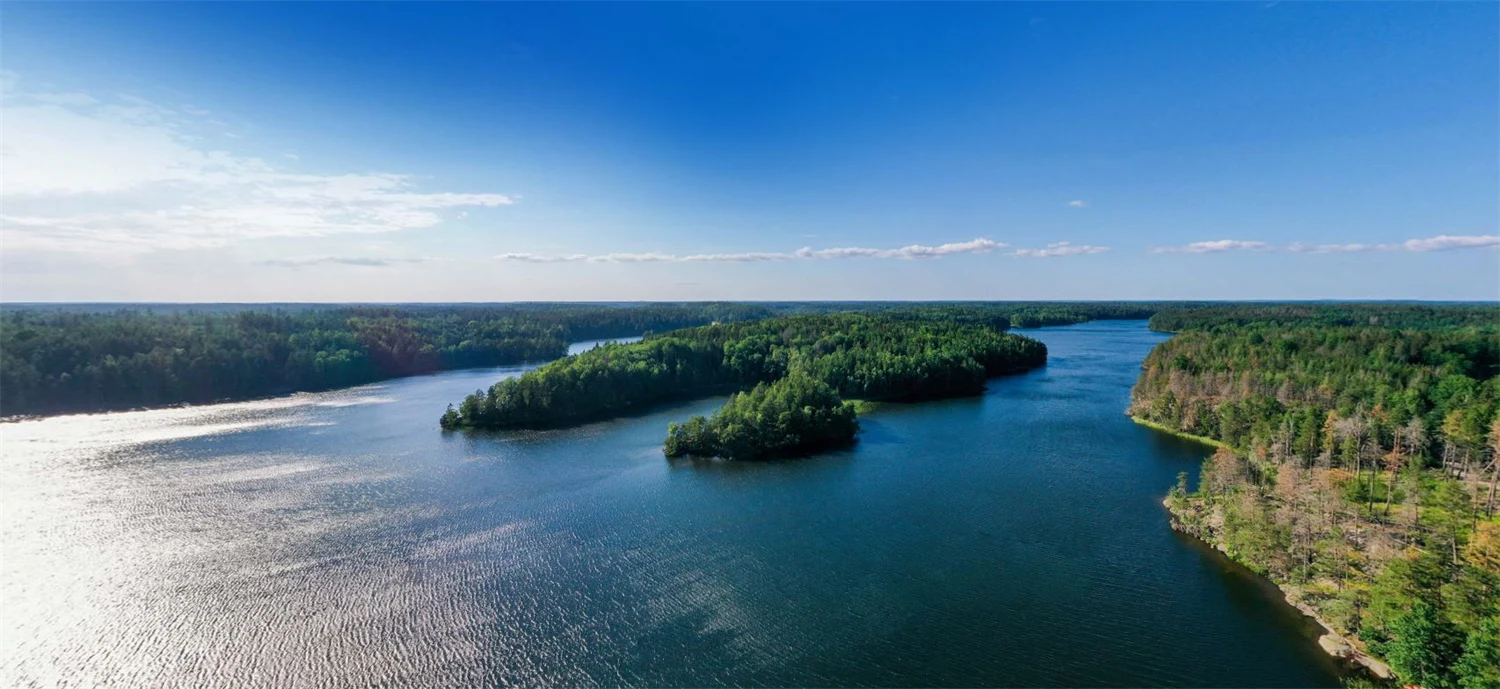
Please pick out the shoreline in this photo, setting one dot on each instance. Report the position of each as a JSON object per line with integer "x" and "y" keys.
{"x": 291, "y": 392}
{"x": 1186, "y": 436}
{"x": 1333, "y": 643}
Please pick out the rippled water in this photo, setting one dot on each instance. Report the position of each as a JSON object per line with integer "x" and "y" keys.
{"x": 340, "y": 539}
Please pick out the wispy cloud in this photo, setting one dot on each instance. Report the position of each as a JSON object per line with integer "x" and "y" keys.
{"x": 534, "y": 258}
{"x": 1443, "y": 242}
{"x": 1214, "y": 246}
{"x": 1056, "y": 249}
{"x": 909, "y": 252}
{"x": 973, "y": 246}
{"x": 94, "y": 174}
{"x": 1078, "y": 203}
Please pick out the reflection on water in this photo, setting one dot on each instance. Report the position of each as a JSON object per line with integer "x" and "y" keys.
{"x": 340, "y": 539}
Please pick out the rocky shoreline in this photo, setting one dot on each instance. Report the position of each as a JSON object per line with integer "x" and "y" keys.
{"x": 1332, "y": 643}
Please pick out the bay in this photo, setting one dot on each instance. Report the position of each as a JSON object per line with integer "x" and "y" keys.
{"x": 338, "y": 539}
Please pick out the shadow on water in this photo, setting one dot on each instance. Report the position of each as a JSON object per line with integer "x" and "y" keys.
{"x": 1255, "y": 596}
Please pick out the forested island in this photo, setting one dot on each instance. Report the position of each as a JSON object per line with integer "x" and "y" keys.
{"x": 887, "y": 356}
{"x": 792, "y": 415}
{"x": 1357, "y": 468}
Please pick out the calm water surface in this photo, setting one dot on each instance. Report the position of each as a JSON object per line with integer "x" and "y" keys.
{"x": 340, "y": 539}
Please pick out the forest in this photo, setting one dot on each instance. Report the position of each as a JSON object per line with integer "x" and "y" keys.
{"x": 1357, "y": 468}
{"x": 1423, "y": 316}
{"x": 65, "y": 358}
{"x": 880, "y": 356}
{"x": 68, "y": 360}
{"x": 792, "y": 415}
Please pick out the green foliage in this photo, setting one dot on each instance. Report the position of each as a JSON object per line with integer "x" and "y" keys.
{"x": 603, "y": 382}
{"x": 1367, "y": 683}
{"x": 1179, "y": 318}
{"x": 1424, "y": 646}
{"x": 1360, "y": 465}
{"x": 1479, "y": 666}
{"x": 795, "y": 414}
{"x": 1250, "y": 384}
{"x": 868, "y": 357}
{"x": 64, "y": 360}
{"x": 73, "y": 358}
{"x": 1364, "y": 682}
{"x": 1180, "y": 490}
{"x": 1004, "y": 314}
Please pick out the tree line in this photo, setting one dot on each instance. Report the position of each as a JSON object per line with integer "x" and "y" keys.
{"x": 69, "y": 360}
{"x": 1422, "y": 316}
{"x": 1358, "y": 468}
{"x": 95, "y": 357}
{"x": 859, "y": 356}
{"x": 98, "y": 357}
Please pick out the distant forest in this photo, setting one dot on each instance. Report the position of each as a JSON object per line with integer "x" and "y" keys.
{"x": 1358, "y": 467}
{"x": 67, "y": 358}
{"x": 97, "y": 357}
{"x": 65, "y": 361}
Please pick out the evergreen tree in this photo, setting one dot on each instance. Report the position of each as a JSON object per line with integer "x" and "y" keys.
{"x": 1423, "y": 647}
{"x": 1479, "y": 667}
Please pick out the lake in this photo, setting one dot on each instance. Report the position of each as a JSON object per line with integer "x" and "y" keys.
{"x": 340, "y": 538}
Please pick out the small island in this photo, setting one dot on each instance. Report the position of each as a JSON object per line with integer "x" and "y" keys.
{"x": 795, "y": 415}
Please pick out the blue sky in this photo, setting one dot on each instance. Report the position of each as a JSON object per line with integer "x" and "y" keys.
{"x": 493, "y": 152}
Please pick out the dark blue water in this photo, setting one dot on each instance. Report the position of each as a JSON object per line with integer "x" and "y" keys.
{"x": 1015, "y": 539}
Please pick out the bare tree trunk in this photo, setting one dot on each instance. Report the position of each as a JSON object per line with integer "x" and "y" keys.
{"x": 1489, "y": 508}
{"x": 1417, "y": 503}
{"x": 1390, "y": 491}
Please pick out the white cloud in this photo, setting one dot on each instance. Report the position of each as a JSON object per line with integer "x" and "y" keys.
{"x": 1213, "y": 247}
{"x": 750, "y": 257}
{"x": 83, "y": 173}
{"x": 534, "y": 258}
{"x": 1056, "y": 249}
{"x": 973, "y": 246}
{"x": 633, "y": 258}
{"x": 1443, "y": 242}
{"x": 1079, "y": 203}
{"x": 909, "y": 252}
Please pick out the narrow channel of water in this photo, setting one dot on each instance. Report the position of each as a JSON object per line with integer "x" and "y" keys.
{"x": 340, "y": 539}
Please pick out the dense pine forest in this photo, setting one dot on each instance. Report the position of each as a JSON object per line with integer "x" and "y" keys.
{"x": 859, "y": 356}
{"x": 66, "y": 360}
{"x": 1358, "y": 467}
